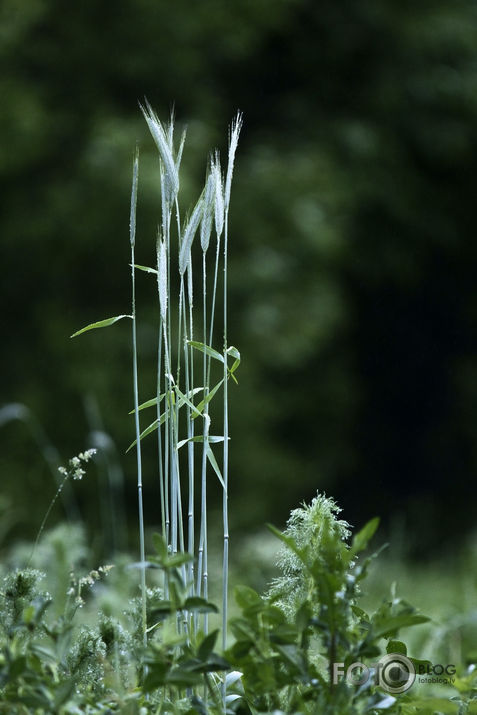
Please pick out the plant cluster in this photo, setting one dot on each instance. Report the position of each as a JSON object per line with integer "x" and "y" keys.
{"x": 158, "y": 654}
{"x": 281, "y": 661}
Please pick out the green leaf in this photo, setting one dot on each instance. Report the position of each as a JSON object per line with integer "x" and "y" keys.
{"x": 208, "y": 397}
{"x": 195, "y": 603}
{"x": 146, "y": 269}
{"x": 293, "y": 656}
{"x": 186, "y": 400}
{"x": 153, "y": 426}
{"x": 213, "y": 439}
{"x": 246, "y": 597}
{"x": 63, "y": 693}
{"x": 159, "y": 545}
{"x": 101, "y": 324}
{"x": 182, "y": 677}
{"x": 213, "y": 461}
{"x": 234, "y": 353}
{"x": 396, "y": 647}
{"x": 389, "y": 625}
{"x": 176, "y": 560}
{"x": 148, "y": 430}
{"x": 290, "y": 542}
{"x": 206, "y": 349}
{"x": 149, "y": 403}
{"x": 207, "y": 645}
{"x": 153, "y": 401}
{"x": 362, "y": 538}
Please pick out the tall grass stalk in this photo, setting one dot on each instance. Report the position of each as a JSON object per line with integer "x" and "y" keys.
{"x": 132, "y": 239}
{"x": 174, "y": 274}
{"x": 234, "y": 136}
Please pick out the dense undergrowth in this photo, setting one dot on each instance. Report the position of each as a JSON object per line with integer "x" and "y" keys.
{"x": 71, "y": 638}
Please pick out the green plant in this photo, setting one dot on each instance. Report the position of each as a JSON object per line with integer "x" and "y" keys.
{"x": 177, "y": 390}
{"x": 156, "y": 655}
{"x": 288, "y": 642}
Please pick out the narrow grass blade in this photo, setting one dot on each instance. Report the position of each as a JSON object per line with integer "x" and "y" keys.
{"x": 215, "y": 466}
{"x": 148, "y": 430}
{"x": 149, "y": 403}
{"x": 186, "y": 400}
{"x": 206, "y": 349}
{"x": 100, "y": 324}
{"x": 209, "y": 396}
{"x": 146, "y": 269}
{"x": 200, "y": 438}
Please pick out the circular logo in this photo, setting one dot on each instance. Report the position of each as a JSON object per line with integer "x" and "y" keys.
{"x": 396, "y": 673}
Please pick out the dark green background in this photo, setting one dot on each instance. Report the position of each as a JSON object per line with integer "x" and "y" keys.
{"x": 353, "y": 244}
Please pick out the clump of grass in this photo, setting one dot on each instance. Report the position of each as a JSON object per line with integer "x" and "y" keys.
{"x": 190, "y": 372}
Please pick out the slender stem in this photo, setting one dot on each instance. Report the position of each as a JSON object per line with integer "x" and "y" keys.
{"x": 138, "y": 453}
{"x": 132, "y": 239}
{"x": 225, "y": 472}
{"x": 189, "y": 387}
{"x": 52, "y": 503}
{"x": 162, "y": 482}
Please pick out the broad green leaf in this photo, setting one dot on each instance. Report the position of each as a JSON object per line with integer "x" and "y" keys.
{"x": 206, "y": 349}
{"x": 246, "y": 597}
{"x": 63, "y": 693}
{"x": 394, "y": 623}
{"x": 159, "y": 544}
{"x": 100, "y": 324}
{"x": 293, "y": 656}
{"x": 176, "y": 560}
{"x": 183, "y": 678}
{"x": 394, "y": 646}
{"x": 207, "y": 645}
{"x": 362, "y": 538}
{"x": 195, "y": 603}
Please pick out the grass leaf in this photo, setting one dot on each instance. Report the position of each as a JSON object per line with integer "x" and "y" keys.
{"x": 213, "y": 461}
{"x": 207, "y": 350}
{"x": 100, "y": 324}
{"x": 146, "y": 269}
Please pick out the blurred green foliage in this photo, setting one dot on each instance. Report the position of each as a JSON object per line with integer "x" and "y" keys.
{"x": 353, "y": 255}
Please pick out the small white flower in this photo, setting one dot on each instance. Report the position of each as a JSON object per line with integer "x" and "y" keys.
{"x": 63, "y": 471}
{"x": 86, "y": 456}
{"x": 78, "y": 473}
{"x": 75, "y": 462}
